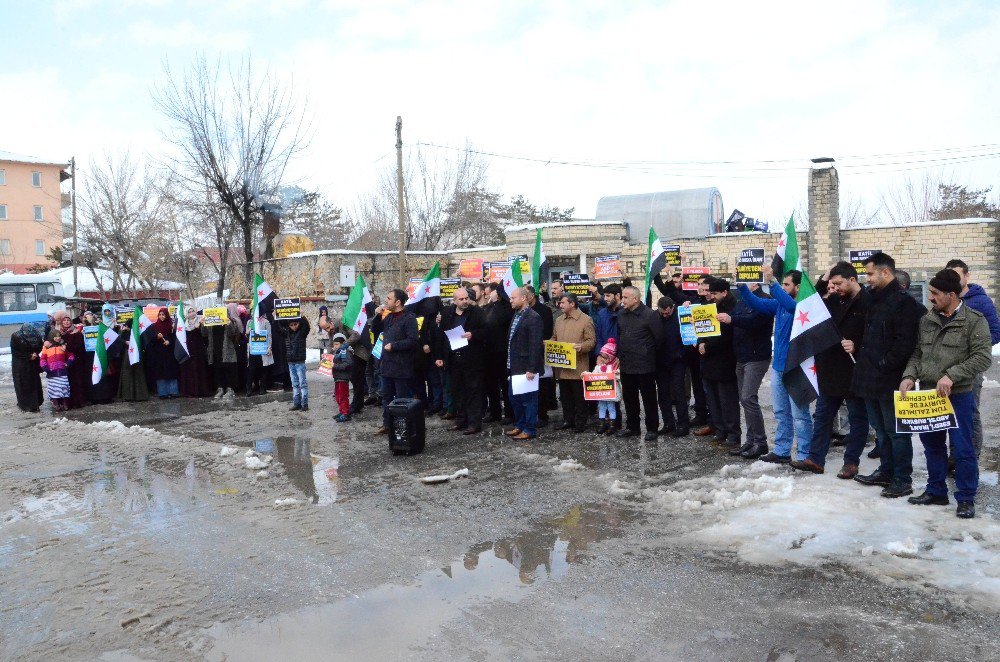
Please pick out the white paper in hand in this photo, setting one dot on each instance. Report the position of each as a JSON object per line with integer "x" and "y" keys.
{"x": 521, "y": 384}
{"x": 455, "y": 338}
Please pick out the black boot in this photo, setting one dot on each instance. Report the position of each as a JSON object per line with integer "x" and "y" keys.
{"x": 874, "y": 478}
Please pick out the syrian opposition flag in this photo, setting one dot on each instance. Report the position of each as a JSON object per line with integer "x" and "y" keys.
{"x": 537, "y": 260}
{"x": 787, "y": 257}
{"x": 105, "y": 339}
{"x": 139, "y": 325}
{"x": 429, "y": 287}
{"x": 656, "y": 260}
{"x": 813, "y": 331}
{"x": 355, "y": 315}
{"x": 181, "y": 352}
{"x": 262, "y": 297}
{"x": 512, "y": 279}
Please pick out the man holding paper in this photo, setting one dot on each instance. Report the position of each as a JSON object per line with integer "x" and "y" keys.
{"x": 525, "y": 360}
{"x": 460, "y": 349}
{"x": 953, "y": 348}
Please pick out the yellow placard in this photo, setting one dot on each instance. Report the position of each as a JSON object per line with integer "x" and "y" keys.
{"x": 560, "y": 354}
{"x": 217, "y": 316}
{"x": 923, "y": 411}
{"x": 706, "y": 321}
{"x": 420, "y": 324}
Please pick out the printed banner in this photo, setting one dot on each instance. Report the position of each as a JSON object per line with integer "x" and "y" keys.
{"x": 750, "y": 266}
{"x": 258, "y": 343}
{"x": 673, "y": 254}
{"x": 448, "y": 287}
{"x": 326, "y": 365}
{"x": 287, "y": 309}
{"x": 857, "y": 258}
{"x": 151, "y": 310}
{"x": 923, "y": 411}
{"x": 705, "y": 320}
{"x": 599, "y": 386}
{"x": 411, "y": 287}
{"x": 525, "y": 264}
{"x": 217, "y": 316}
{"x": 578, "y": 284}
{"x": 560, "y": 354}
{"x": 493, "y": 272}
{"x": 90, "y": 338}
{"x": 691, "y": 275}
{"x": 607, "y": 266}
{"x": 124, "y": 314}
{"x": 377, "y": 347}
{"x": 687, "y": 326}
{"x": 470, "y": 268}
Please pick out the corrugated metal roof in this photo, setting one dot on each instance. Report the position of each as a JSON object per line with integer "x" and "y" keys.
{"x": 686, "y": 213}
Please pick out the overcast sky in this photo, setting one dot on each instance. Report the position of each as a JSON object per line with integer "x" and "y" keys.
{"x": 637, "y": 90}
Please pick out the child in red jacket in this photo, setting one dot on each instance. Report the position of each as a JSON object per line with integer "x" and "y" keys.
{"x": 55, "y": 361}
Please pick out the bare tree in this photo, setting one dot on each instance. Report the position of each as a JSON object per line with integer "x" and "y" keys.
{"x": 234, "y": 134}
{"x": 310, "y": 213}
{"x": 910, "y": 200}
{"x": 122, "y": 223}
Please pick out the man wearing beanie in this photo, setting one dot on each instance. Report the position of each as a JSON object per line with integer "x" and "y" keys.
{"x": 953, "y": 347}
{"x": 718, "y": 370}
{"x": 577, "y": 329}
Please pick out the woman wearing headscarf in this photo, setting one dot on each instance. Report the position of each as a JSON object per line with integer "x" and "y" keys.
{"x": 242, "y": 317}
{"x": 160, "y": 355}
{"x": 221, "y": 342}
{"x": 105, "y": 390}
{"x": 194, "y": 378}
{"x": 323, "y": 329}
{"x": 81, "y": 369}
{"x": 25, "y": 347}
{"x": 133, "y": 385}
{"x": 260, "y": 365}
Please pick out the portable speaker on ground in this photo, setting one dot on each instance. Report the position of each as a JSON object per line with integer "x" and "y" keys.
{"x": 407, "y": 435}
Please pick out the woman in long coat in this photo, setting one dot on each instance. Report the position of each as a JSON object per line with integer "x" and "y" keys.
{"x": 221, "y": 343}
{"x": 195, "y": 380}
{"x": 82, "y": 367}
{"x": 132, "y": 387}
{"x": 105, "y": 390}
{"x": 160, "y": 355}
{"x": 25, "y": 345}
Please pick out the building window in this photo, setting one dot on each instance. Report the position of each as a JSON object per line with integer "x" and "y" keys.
{"x": 36, "y": 179}
{"x": 3, "y": 177}
{"x": 38, "y": 212}
{"x": 3, "y": 212}
{"x": 4, "y": 246}
{"x": 39, "y": 247}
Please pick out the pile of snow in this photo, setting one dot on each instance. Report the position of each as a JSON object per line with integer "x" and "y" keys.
{"x": 255, "y": 461}
{"x": 767, "y": 514}
{"x": 567, "y": 466}
{"x": 444, "y": 478}
{"x": 283, "y": 503}
{"x": 226, "y": 451}
{"x": 107, "y": 429}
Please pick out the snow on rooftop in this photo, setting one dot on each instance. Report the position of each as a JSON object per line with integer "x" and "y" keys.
{"x": 87, "y": 282}
{"x": 24, "y": 158}
{"x": 954, "y": 221}
{"x": 344, "y": 251}
{"x": 535, "y": 226}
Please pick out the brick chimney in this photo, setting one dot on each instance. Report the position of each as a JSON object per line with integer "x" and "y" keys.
{"x": 824, "y": 216}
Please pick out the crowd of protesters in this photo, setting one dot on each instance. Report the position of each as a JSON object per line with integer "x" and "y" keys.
{"x": 889, "y": 342}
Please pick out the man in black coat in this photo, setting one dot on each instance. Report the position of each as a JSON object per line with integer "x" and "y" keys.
{"x": 525, "y": 356}
{"x": 889, "y": 338}
{"x": 671, "y": 369}
{"x": 547, "y": 385}
{"x": 640, "y": 332}
{"x": 718, "y": 370}
{"x": 848, "y": 304}
{"x": 465, "y": 365}
{"x": 398, "y": 328}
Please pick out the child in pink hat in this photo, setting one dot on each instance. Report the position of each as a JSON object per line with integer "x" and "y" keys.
{"x": 607, "y": 362}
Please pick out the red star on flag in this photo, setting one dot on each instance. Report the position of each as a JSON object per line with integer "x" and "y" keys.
{"x": 260, "y": 294}
{"x": 95, "y": 368}
{"x": 813, "y": 368}
{"x": 803, "y": 318}
{"x": 427, "y": 289}
{"x": 107, "y": 341}
{"x": 781, "y": 243}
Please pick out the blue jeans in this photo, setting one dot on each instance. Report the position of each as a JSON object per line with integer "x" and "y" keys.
{"x": 963, "y": 451}
{"x": 166, "y": 387}
{"x": 392, "y": 388}
{"x": 896, "y": 448}
{"x": 794, "y": 422}
{"x": 607, "y": 409}
{"x": 827, "y": 407}
{"x": 525, "y": 406}
{"x": 300, "y": 389}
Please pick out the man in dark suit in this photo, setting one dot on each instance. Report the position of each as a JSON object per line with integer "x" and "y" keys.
{"x": 398, "y": 328}
{"x": 465, "y": 365}
{"x": 524, "y": 357}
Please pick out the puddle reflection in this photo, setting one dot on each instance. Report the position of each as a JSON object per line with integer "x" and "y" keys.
{"x": 316, "y": 476}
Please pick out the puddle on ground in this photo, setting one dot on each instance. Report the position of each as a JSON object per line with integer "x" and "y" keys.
{"x": 149, "y": 491}
{"x": 380, "y": 623}
{"x": 316, "y": 476}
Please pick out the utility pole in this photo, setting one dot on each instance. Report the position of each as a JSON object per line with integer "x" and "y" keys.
{"x": 399, "y": 200}
{"x": 73, "y": 201}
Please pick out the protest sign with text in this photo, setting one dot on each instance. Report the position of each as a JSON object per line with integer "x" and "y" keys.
{"x": 90, "y": 338}
{"x": 258, "y": 343}
{"x": 217, "y": 316}
{"x": 124, "y": 314}
{"x": 673, "y": 255}
{"x": 750, "y": 266}
{"x": 706, "y": 321}
{"x": 687, "y": 326}
{"x": 599, "y": 386}
{"x": 578, "y": 284}
{"x": 923, "y": 411}
{"x": 857, "y": 258}
{"x": 287, "y": 309}
{"x": 448, "y": 287}
{"x": 471, "y": 268}
{"x": 607, "y": 266}
{"x": 691, "y": 275}
{"x": 560, "y": 354}
{"x": 326, "y": 365}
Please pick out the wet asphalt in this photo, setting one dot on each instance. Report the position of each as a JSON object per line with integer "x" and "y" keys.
{"x": 515, "y": 562}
